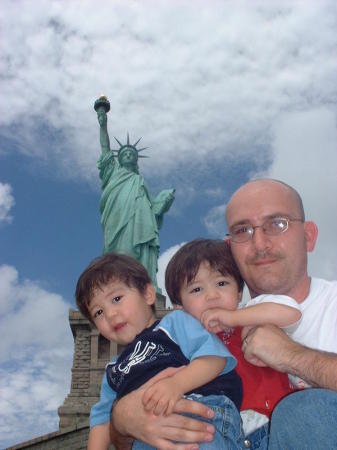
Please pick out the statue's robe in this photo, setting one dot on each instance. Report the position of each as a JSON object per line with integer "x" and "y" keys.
{"x": 128, "y": 214}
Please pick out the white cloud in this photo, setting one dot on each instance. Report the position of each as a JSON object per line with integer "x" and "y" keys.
{"x": 305, "y": 157}
{"x": 35, "y": 354}
{"x": 214, "y": 192}
{"x": 193, "y": 81}
{"x": 6, "y": 202}
{"x": 215, "y": 221}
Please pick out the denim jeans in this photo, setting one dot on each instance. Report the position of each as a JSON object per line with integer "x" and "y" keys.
{"x": 226, "y": 420}
{"x": 258, "y": 439}
{"x": 305, "y": 420}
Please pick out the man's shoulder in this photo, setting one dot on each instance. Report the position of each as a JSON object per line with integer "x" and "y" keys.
{"x": 320, "y": 286}
{"x": 323, "y": 294}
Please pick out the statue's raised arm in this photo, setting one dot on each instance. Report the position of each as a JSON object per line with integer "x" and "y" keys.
{"x": 102, "y": 106}
{"x": 130, "y": 217}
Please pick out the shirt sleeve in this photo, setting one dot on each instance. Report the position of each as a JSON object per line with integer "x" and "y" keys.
{"x": 280, "y": 300}
{"x": 101, "y": 411}
{"x": 193, "y": 339}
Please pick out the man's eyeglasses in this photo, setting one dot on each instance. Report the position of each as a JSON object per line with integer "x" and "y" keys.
{"x": 271, "y": 227}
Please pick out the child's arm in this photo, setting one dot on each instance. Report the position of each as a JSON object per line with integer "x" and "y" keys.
{"x": 99, "y": 437}
{"x": 215, "y": 320}
{"x": 163, "y": 395}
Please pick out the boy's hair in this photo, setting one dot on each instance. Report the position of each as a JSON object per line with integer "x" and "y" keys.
{"x": 185, "y": 264}
{"x": 107, "y": 268}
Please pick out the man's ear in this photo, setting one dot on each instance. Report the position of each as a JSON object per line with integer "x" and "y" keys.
{"x": 228, "y": 241}
{"x": 311, "y": 233}
{"x": 150, "y": 294}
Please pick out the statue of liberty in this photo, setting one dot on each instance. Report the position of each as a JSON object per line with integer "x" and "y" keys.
{"x": 130, "y": 217}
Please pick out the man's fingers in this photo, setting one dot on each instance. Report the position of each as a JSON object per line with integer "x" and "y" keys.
{"x": 254, "y": 344}
{"x": 188, "y": 435}
{"x": 159, "y": 430}
{"x": 192, "y": 407}
{"x": 177, "y": 432}
{"x": 169, "y": 408}
{"x": 248, "y": 330}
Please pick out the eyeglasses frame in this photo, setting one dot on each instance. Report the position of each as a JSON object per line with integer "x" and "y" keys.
{"x": 251, "y": 234}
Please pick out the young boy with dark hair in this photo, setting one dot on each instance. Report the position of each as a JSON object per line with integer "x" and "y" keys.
{"x": 202, "y": 276}
{"x": 116, "y": 294}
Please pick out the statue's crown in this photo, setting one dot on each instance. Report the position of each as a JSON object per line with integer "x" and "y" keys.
{"x": 128, "y": 145}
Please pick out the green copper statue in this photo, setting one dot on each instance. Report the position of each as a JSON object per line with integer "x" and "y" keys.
{"x": 131, "y": 218}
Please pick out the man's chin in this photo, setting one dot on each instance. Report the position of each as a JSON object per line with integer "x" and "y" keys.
{"x": 268, "y": 286}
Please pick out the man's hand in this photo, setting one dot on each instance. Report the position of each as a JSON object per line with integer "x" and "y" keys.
{"x": 130, "y": 418}
{"x": 244, "y": 337}
{"x": 275, "y": 349}
{"x": 267, "y": 345}
{"x": 162, "y": 396}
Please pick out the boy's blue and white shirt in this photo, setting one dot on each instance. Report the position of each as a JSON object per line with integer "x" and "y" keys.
{"x": 174, "y": 341}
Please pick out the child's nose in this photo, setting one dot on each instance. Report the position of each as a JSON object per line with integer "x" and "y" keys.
{"x": 110, "y": 312}
{"x": 212, "y": 294}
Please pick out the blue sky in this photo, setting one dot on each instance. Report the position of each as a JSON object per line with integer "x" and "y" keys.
{"x": 221, "y": 93}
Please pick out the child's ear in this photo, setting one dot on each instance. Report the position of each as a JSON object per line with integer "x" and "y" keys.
{"x": 150, "y": 294}
{"x": 240, "y": 296}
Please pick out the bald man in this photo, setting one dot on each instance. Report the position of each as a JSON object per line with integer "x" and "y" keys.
{"x": 270, "y": 239}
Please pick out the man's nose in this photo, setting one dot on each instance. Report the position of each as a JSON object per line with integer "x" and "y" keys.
{"x": 260, "y": 239}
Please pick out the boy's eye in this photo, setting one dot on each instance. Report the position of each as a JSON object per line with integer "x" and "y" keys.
{"x": 223, "y": 283}
{"x": 117, "y": 299}
{"x": 196, "y": 289}
{"x": 98, "y": 313}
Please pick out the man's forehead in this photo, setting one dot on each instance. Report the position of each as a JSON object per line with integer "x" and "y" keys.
{"x": 260, "y": 199}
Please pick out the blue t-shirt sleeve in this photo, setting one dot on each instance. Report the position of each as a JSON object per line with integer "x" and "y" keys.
{"x": 101, "y": 411}
{"x": 193, "y": 339}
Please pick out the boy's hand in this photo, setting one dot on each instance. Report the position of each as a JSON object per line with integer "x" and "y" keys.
{"x": 161, "y": 397}
{"x": 216, "y": 320}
